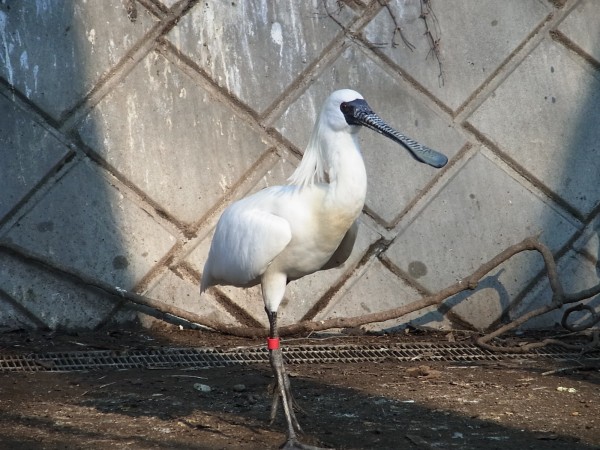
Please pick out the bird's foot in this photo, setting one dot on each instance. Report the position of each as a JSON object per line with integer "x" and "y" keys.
{"x": 293, "y": 444}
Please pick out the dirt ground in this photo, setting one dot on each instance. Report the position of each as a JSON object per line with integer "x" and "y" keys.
{"x": 386, "y": 405}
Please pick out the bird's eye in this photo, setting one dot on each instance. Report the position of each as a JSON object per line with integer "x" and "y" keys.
{"x": 345, "y": 108}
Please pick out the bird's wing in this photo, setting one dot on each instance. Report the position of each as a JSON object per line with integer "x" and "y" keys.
{"x": 246, "y": 241}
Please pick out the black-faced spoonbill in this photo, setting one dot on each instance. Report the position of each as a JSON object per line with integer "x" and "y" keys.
{"x": 283, "y": 233}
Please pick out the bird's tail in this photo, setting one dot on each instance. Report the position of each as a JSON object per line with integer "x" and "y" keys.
{"x": 206, "y": 280}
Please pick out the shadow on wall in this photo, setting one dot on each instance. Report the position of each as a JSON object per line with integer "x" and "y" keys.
{"x": 554, "y": 137}
{"x": 576, "y": 185}
{"x": 60, "y": 208}
{"x": 572, "y": 165}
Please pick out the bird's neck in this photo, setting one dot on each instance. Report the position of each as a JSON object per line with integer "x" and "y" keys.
{"x": 334, "y": 159}
{"x": 347, "y": 173}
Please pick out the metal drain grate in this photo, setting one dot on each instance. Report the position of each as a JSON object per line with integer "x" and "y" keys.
{"x": 305, "y": 354}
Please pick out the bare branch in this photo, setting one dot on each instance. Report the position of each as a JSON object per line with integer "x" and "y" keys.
{"x": 469, "y": 283}
{"x": 173, "y": 314}
{"x": 433, "y": 33}
{"x": 594, "y": 317}
{"x": 397, "y": 28}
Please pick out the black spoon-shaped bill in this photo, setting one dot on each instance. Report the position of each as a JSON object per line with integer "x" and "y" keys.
{"x": 358, "y": 112}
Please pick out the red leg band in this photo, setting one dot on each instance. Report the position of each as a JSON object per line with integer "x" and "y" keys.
{"x": 273, "y": 343}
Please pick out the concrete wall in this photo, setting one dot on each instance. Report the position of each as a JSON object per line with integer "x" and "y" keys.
{"x": 127, "y": 126}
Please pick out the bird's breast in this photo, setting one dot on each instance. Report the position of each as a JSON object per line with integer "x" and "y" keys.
{"x": 333, "y": 225}
{"x": 314, "y": 239}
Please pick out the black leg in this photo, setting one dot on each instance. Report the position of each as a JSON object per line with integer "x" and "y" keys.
{"x": 283, "y": 389}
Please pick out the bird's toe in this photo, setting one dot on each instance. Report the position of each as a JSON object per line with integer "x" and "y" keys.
{"x": 294, "y": 444}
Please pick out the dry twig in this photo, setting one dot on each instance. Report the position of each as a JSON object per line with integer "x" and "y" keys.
{"x": 558, "y": 300}
{"x": 173, "y": 314}
{"x": 397, "y": 28}
{"x": 432, "y": 31}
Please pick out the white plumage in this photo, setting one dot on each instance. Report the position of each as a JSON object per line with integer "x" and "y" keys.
{"x": 286, "y": 232}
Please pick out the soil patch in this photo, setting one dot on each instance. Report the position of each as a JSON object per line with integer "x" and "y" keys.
{"x": 384, "y": 405}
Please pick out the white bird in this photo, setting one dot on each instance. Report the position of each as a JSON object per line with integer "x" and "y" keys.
{"x": 283, "y": 233}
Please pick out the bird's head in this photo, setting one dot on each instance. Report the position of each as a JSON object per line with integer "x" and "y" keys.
{"x": 347, "y": 109}
{"x": 332, "y": 110}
